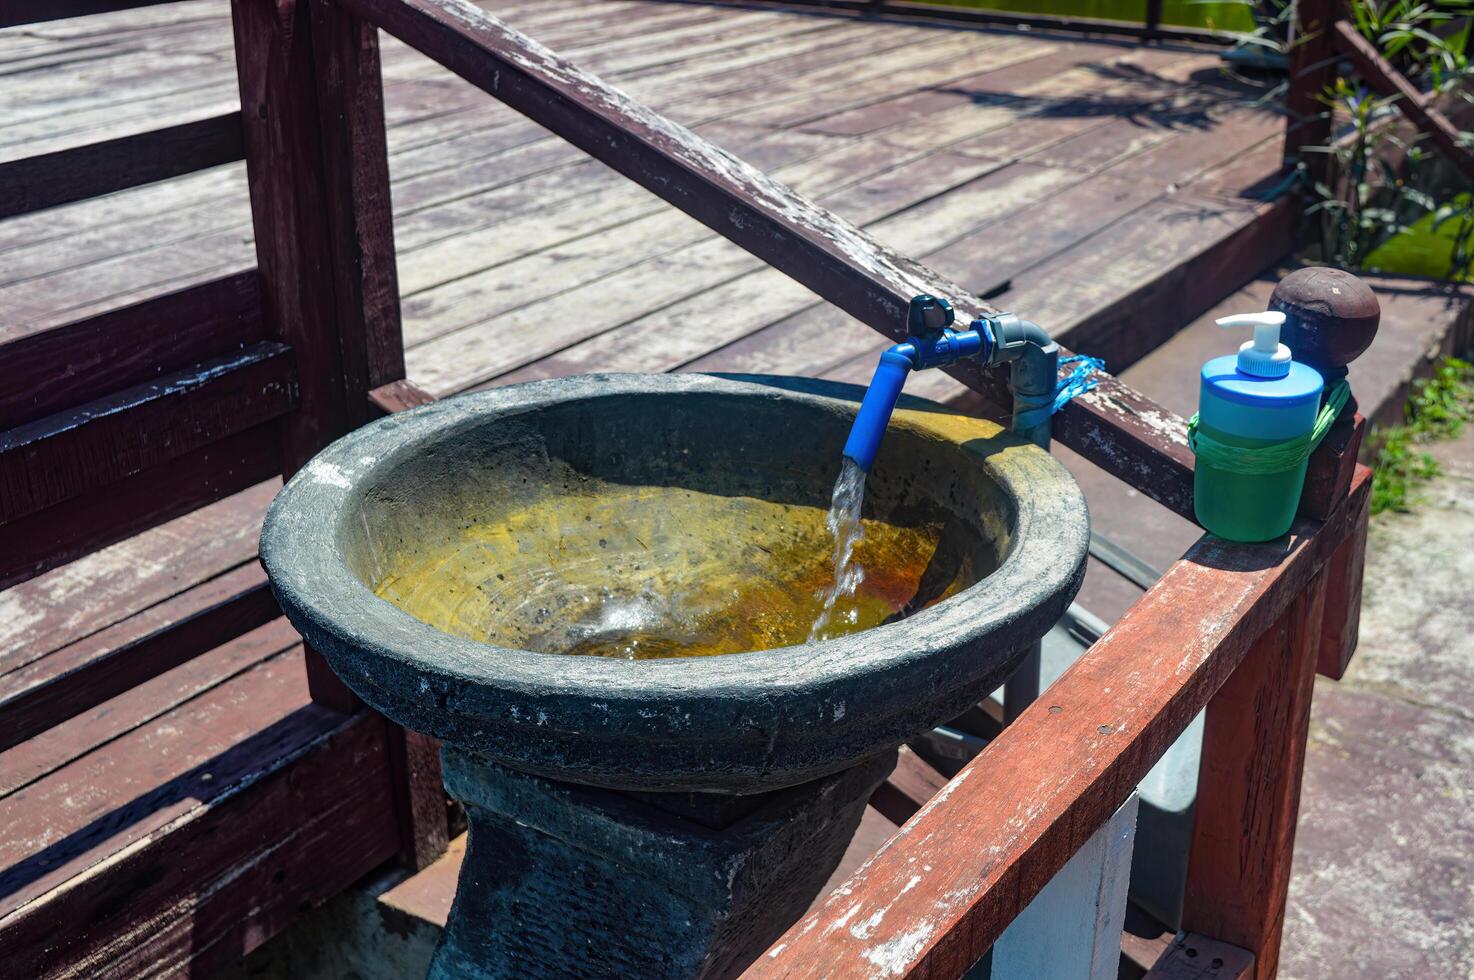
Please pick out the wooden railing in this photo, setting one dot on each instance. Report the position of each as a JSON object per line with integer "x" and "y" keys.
{"x": 115, "y": 424}
{"x": 17, "y": 13}
{"x": 1227, "y": 627}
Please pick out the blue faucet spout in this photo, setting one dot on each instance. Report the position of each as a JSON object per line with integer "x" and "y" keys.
{"x": 998, "y": 339}
{"x": 879, "y": 402}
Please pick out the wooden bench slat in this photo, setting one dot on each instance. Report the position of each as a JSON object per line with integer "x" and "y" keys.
{"x": 64, "y": 176}
{"x": 84, "y": 524}
{"x": 46, "y": 372}
{"x": 63, "y": 456}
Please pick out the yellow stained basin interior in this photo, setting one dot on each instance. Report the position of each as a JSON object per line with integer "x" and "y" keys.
{"x": 640, "y": 534}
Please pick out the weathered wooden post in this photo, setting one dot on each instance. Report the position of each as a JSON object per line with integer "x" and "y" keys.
{"x": 313, "y": 119}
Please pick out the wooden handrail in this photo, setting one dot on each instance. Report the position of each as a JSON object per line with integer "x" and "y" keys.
{"x": 937, "y": 896}
{"x": 68, "y": 454}
{"x": 1386, "y": 79}
{"x": 1119, "y": 429}
{"x": 1323, "y": 35}
{"x": 84, "y": 524}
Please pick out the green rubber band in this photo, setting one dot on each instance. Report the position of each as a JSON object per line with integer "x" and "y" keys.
{"x": 1276, "y": 457}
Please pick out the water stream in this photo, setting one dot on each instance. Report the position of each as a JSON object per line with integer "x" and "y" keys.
{"x": 844, "y": 524}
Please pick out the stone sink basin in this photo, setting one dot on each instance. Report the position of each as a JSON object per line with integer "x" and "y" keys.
{"x": 598, "y": 592}
{"x": 513, "y": 528}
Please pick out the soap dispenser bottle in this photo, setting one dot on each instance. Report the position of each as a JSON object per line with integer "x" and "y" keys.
{"x": 1253, "y": 434}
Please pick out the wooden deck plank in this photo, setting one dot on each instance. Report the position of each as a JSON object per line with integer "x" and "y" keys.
{"x": 594, "y": 360}
{"x": 162, "y": 89}
{"x": 301, "y": 823}
{"x": 819, "y": 338}
{"x": 111, "y": 281}
{"x": 1072, "y": 70}
{"x": 72, "y": 237}
{"x": 79, "y": 599}
{"x": 744, "y": 105}
{"x": 952, "y": 60}
{"x": 1062, "y": 220}
{"x": 412, "y": 196}
{"x": 621, "y": 360}
{"x": 892, "y": 205}
{"x": 151, "y": 101}
{"x": 669, "y": 337}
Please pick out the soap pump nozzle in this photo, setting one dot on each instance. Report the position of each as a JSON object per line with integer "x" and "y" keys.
{"x": 1264, "y": 356}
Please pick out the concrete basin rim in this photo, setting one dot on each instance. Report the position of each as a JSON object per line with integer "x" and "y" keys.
{"x": 299, "y": 551}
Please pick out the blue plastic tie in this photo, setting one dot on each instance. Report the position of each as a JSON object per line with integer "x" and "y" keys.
{"x": 1078, "y": 381}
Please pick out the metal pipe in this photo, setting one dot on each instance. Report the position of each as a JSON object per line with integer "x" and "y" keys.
{"x": 1033, "y": 358}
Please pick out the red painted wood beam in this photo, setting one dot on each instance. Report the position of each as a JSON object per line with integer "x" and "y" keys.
{"x": 942, "y": 891}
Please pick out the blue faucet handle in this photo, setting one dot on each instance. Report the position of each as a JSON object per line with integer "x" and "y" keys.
{"x": 929, "y": 315}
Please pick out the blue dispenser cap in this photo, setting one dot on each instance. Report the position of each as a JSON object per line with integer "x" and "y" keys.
{"x": 1301, "y": 383}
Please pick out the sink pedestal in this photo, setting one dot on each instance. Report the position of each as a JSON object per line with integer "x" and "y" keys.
{"x": 582, "y": 881}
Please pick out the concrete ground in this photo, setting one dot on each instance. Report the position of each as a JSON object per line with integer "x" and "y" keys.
{"x": 1383, "y": 882}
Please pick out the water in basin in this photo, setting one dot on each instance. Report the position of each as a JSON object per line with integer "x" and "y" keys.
{"x": 647, "y": 527}
{"x": 645, "y": 571}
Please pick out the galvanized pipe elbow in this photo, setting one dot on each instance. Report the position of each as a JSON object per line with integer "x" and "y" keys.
{"x": 1033, "y": 359}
